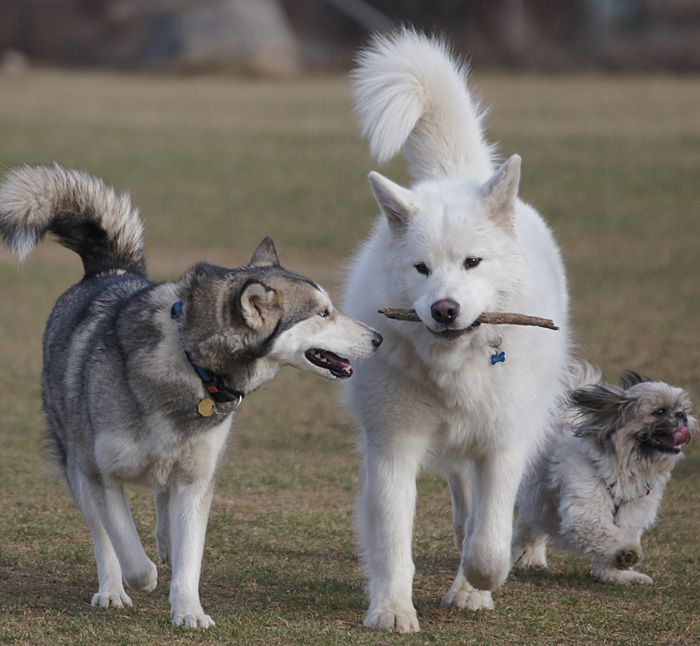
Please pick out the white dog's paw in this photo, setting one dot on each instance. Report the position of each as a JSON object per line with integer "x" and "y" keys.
{"x": 117, "y": 599}
{"x": 144, "y": 581}
{"x": 195, "y": 620}
{"x": 463, "y": 595}
{"x": 393, "y": 619}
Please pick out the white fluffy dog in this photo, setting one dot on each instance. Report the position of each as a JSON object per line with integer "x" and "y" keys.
{"x": 599, "y": 483}
{"x": 457, "y": 243}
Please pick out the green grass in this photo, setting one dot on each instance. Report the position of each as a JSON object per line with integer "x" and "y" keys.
{"x": 217, "y": 164}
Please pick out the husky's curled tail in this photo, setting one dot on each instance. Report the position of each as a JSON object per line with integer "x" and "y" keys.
{"x": 411, "y": 95}
{"x": 84, "y": 214}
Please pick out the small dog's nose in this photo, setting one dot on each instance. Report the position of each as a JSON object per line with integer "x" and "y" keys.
{"x": 445, "y": 311}
{"x": 682, "y": 417}
{"x": 377, "y": 340}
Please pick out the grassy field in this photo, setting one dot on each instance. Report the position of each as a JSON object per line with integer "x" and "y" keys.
{"x": 217, "y": 164}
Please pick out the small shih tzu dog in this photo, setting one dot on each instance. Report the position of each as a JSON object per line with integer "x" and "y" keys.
{"x": 598, "y": 484}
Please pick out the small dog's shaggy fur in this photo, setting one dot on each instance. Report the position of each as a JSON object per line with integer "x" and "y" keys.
{"x": 599, "y": 483}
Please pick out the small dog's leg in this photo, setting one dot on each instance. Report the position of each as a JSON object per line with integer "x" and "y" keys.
{"x": 529, "y": 547}
{"x": 189, "y": 512}
{"x": 487, "y": 548}
{"x": 614, "y": 575}
{"x": 163, "y": 545}
{"x": 138, "y": 571}
{"x": 386, "y": 508}
{"x": 111, "y": 589}
{"x": 459, "y": 493}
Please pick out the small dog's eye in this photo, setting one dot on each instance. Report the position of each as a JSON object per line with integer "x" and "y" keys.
{"x": 660, "y": 412}
{"x": 422, "y": 268}
{"x": 471, "y": 262}
{"x": 324, "y": 314}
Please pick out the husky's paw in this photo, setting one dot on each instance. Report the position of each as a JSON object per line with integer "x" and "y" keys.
{"x": 144, "y": 581}
{"x": 393, "y": 619}
{"x": 628, "y": 557}
{"x": 463, "y": 595}
{"x": 623, "y": 577}
{"x": 117, "y": 599}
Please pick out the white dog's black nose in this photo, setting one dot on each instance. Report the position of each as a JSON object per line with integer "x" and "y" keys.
{"x": 445, "y": 311}
{"x": 377, "y": 339}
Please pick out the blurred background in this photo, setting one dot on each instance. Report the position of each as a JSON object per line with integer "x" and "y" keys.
{"x": 285, "y": 37}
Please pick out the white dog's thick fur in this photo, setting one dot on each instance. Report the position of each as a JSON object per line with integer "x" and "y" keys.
{"x": 433, "y": 398}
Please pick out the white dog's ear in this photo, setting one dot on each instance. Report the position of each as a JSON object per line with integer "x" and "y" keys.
{"x": 259, "y": 306}
{"x": 395, "y": 201}
{"x": 501, "y": 192}
{"x": 265, "y": 255}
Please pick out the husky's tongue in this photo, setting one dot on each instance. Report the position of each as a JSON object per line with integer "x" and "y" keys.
{"x": 338, "y": 366}
{"x": 681, "y": 436}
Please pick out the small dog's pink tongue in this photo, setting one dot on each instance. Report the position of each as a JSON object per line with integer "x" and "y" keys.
{"x": 681, "y": 436}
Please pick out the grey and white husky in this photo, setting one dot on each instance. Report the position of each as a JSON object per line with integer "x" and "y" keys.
{"x": 141, "y": 379}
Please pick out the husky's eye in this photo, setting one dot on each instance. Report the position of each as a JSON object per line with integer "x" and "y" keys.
{"x": 422, "y": 268}
{"x": 471, "y": 262}
{"x": 324, "y": 313}
{"x": 660, "y": 412}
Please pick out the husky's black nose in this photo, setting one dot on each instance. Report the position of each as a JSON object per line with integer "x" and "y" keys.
{"x": 445, "y": 311}
{"x": 377, "y": 340}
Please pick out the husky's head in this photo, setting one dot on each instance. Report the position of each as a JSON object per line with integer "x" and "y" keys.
{"x": 454, "y": 253}
{"x": 245, "y": 323}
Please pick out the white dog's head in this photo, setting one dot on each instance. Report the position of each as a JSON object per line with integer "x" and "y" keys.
{"x": 454, "y": 253}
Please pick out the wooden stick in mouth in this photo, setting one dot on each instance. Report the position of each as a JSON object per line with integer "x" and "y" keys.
{"x": 489, "y": 318}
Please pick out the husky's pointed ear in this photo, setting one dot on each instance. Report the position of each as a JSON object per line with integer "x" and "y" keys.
{"x": 259, "y": 306}
{"x": 395, "y": 201}
{"x": 501, "y": 192}
{"x": 265, "y": 255}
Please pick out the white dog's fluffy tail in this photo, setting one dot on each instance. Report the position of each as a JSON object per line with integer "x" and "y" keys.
{"x": 582, "y": 374}
{"x": 411, "y": 95}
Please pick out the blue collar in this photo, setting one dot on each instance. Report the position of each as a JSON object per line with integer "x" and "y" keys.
{"x": 215, "y": 386}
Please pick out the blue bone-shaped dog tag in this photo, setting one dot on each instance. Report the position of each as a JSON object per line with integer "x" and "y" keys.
{"x": 498, "y": 357}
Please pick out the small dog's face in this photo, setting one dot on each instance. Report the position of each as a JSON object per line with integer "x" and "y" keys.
{"x": 650, "y": 418}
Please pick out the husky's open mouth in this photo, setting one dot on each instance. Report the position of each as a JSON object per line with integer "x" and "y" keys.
{"x": 669, "y": 442}
{"x": 338, "y": 366}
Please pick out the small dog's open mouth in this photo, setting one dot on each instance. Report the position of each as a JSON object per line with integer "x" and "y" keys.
{"x": 670, "y": 442}
{"x": 449, "y": 333}
{"x": 338, "y": 366}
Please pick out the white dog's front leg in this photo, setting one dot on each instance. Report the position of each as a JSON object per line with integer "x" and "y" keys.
{"x": 486, "y": 556}
{"x": 385, "y": 521}
{"x": 189, "y": 512}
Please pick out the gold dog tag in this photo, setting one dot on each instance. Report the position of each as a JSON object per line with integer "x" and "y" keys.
{"x": 206, "y": 407}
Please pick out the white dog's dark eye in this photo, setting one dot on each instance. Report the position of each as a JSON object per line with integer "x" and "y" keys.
{"x": 471, "y": 262}
{"x": 660, "y": 412}
{"x": 422, "y": 268}
{"x": 324, "y": 314}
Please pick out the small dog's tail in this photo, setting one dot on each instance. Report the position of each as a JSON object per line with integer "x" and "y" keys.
{"x": 84, "y": 214}
{"x": 582, "y": 374}
{"x": 411, "y": 95}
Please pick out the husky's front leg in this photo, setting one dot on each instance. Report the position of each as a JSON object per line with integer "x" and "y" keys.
{"x": 386, "y": 508}
{"x": 487, "y": 547}
{"x": 189, "y": 512}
